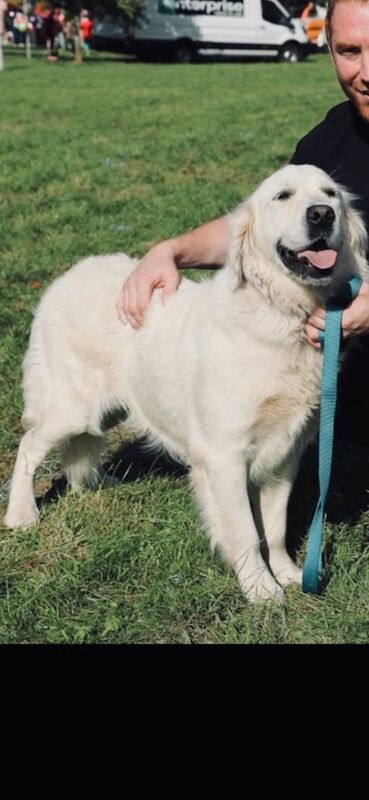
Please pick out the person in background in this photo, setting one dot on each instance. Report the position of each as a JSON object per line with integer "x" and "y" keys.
{"x": 68, "y": 35}
{"x": 313, "y": 16}
{"x": 59, "y": 15}
{"x": 39, "y": 12}
{"x": 51, "y": 30}
{"x": 85, "y": 28}
{"x": 340, "y": 146}
{"x": 308, "y": 11}
{"x": 3, "y": 10}
{"x": 20, "y": 26}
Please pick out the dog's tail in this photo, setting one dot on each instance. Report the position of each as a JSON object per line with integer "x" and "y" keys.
{"x": 81, "y": 460}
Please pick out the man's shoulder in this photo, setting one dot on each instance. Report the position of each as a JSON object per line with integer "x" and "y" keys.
{"x": 311, "y": 147}
{"x": 336, "y": 115}
{"x": 340, "y": 112}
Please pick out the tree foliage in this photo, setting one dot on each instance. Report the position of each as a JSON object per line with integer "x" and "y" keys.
{"x": 129, "y": 9}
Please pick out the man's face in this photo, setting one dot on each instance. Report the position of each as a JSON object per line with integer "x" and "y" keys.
{"x": 350, "y": 52}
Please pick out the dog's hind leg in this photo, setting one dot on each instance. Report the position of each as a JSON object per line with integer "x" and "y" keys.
{"x": 81, "y": 461}
{"x": 225, "y": 506}
{"x": 22, "y": 509}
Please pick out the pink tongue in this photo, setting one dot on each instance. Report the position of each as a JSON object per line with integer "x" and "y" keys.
{"x": 322, "y": 259}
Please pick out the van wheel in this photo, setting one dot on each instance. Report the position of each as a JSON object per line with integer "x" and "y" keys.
{"x": 184, "y": 53}
{"x": 290, "y": 52}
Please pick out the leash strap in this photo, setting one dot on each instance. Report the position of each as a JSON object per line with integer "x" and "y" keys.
{"x": 330, "y": 340}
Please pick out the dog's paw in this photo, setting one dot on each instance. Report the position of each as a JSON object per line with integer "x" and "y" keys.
{"x": 287, "y": 572}
{"x": 261, "y": 587}
{"x": 21, "y": 517}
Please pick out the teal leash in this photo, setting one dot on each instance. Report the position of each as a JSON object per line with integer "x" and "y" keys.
{"x": 330, "y": 340}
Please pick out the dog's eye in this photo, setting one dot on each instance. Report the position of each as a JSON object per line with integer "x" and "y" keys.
{"x": 283, "y": 195}
{"x": 329, "y": 192}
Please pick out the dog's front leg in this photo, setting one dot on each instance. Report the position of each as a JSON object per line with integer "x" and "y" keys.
{"x": 221, "y": 492}
{"x": 271, "y": 515}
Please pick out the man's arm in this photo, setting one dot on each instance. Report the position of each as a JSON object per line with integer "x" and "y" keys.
{"x": 206, "y": 246}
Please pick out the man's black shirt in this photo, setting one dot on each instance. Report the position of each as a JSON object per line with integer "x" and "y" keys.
{"x": 340, "y": 146}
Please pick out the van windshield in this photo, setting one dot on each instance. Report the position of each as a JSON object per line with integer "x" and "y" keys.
{"x": 271, "y": 13}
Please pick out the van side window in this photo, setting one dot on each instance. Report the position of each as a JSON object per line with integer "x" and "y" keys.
{"x": 271, "y": 13}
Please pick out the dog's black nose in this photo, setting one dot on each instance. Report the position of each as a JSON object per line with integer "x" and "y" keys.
{"x": 321, "y": 216}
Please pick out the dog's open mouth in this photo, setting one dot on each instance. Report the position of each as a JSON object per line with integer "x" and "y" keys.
{"x": 317, "y": 261}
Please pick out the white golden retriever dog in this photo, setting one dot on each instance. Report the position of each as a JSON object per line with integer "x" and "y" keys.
{"x": 221, "y": 375}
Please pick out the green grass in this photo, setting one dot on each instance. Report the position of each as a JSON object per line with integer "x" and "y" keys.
{"x": 113, "y": 156}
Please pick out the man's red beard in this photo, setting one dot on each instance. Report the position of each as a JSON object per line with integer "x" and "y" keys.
{"x": 361, "y": 102}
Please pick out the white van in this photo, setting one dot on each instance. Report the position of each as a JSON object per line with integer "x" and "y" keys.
{"x": 185, "y": 28}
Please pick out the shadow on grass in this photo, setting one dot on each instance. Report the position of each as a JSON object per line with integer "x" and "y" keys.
{"x": 348, "y": 496}
{"x": 131, "y": 462}
{"x": 39, "y": 54}
{"x": 136, "y": 460}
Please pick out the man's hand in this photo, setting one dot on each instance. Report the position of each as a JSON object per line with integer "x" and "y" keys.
{"x": 355, "y": 318}
{"x": 157, "y": 269}
{"x": 206, "y": 246}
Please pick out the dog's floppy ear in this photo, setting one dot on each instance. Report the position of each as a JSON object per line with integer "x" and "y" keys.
{"x": 358, "y": 237}
{"x": 239, "y": 226}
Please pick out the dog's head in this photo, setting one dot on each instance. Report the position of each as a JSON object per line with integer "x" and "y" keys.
{"x": 300, "y": 223}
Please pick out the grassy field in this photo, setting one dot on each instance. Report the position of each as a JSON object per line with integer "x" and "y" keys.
{"x": 116, "y": 156}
